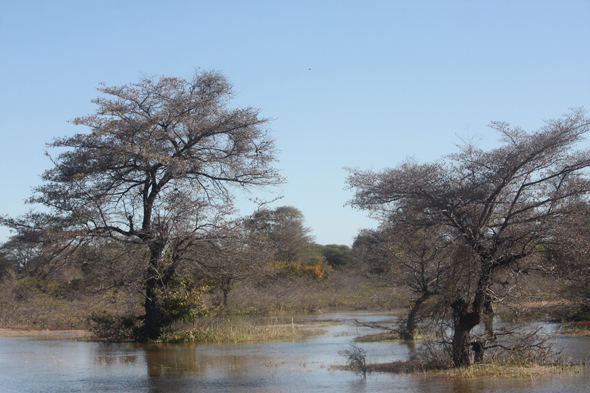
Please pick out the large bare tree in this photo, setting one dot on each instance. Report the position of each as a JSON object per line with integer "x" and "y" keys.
{"x": 159, "y": 167}
{"x": 498, "y": 204}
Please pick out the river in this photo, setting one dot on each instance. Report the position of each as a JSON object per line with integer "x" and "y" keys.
{"x": 54, "y": 363}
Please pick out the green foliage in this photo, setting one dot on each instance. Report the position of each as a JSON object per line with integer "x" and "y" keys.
{"x": 116, "y": 327}
{"x": 335, "y": 255}
{"x": 283, "y": 227}
{"x": 31, "y": 287}
{"x": 366, "y": 251}
{"x": 181, "y": 301}
{"x": 5, "y": 265}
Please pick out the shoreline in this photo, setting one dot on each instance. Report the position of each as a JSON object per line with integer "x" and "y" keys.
{"x": 18, "y": 332}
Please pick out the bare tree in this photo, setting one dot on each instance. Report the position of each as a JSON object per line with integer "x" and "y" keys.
{"x": 159, "y": 168}
{"x": 568, "y": 257}
{"x": 41, "y": 246}
{"x": 499, "y": 205}
{"x": 238, "y": 256}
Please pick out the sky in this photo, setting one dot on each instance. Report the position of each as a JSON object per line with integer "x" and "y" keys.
{"x": 361, "y": 84}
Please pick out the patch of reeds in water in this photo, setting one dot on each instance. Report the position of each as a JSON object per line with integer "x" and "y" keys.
{"x": 235, "y": 329}
{"x": 575, "y": 328}
{"x": 385, "y": 337}
{"x": 507, "y": 370}
{"x": 483, "y": 370}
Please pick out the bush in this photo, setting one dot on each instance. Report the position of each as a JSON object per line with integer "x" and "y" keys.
{"x": 313, "y": 267}
{"x": 112, "y": 327}
{"x": 435, "y": 355}
{"x": 355, "y": 358}
{"x": 181, "y": 301}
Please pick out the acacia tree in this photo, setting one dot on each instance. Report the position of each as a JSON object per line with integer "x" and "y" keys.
{"x": 498, "y": 205}
{"x": 284, "y": 228}
{"x": 158, "y": 168}
{"x": 335, "y": 255}
{"x": 41, "y": 245}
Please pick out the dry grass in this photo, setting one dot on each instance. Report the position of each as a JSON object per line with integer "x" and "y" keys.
{"x": 397, "y": 367}
{"x": 506, "y": 371}
{"x": 575, "y": 328}
{"x": 43, "y": 332}
{"x": 380, "y": 337}
{"x": 487, "y": 370}
{"x": 234, "y": 330}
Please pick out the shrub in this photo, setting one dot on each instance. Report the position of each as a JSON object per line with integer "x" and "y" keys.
{"x": 113, "y": 327}
{"x": 182, "y": 301}
{"x": 355, "y": 358}
{"x": 313, "y": 267}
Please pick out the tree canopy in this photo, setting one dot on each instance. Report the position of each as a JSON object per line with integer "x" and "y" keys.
{"x": 499, "y": 204}
{"x": 159, "y": 167}
{"x": 283, "y": 227}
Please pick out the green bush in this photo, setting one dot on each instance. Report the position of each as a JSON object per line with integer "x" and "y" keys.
{"x": 113, "y": 327}
{"x": 181, "y": 301}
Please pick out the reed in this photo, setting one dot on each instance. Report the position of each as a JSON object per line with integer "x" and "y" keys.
{"x": 581, "y": 328}
{"x": 498, "y": 370}
{"x": 235, "y": 329}
{"x": 380, "y": 337}
{"x": 507, "y": 370}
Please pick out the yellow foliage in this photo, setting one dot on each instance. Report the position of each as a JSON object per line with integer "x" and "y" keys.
{"x": 314, "y": 267}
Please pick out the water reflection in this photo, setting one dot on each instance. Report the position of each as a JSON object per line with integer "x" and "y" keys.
{"x": 412, "y": 354}
{"x": 35, "y": 365}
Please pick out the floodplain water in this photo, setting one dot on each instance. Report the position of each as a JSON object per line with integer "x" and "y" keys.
{"x": 53, "y": 363}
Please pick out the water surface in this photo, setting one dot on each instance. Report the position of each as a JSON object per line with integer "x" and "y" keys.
{"x": 54, "y": 364}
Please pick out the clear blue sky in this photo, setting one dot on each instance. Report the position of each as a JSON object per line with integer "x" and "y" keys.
{"x": 348, "y": 83}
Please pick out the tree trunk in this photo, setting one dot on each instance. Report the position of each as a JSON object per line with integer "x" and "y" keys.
{"x": 488, "y": 323}
{"x": 152, "y": 329}
{"x": 466, "y": 318}
{"x": 463, "y": 321}
{"x": 461, "y": 343}
{"x": 152, "y": 325}
{"x": 412, "y": 350}
{"x": 410, "y": 330}
{"x": 488, "y": 319}
{"x": 226, "y": 288}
